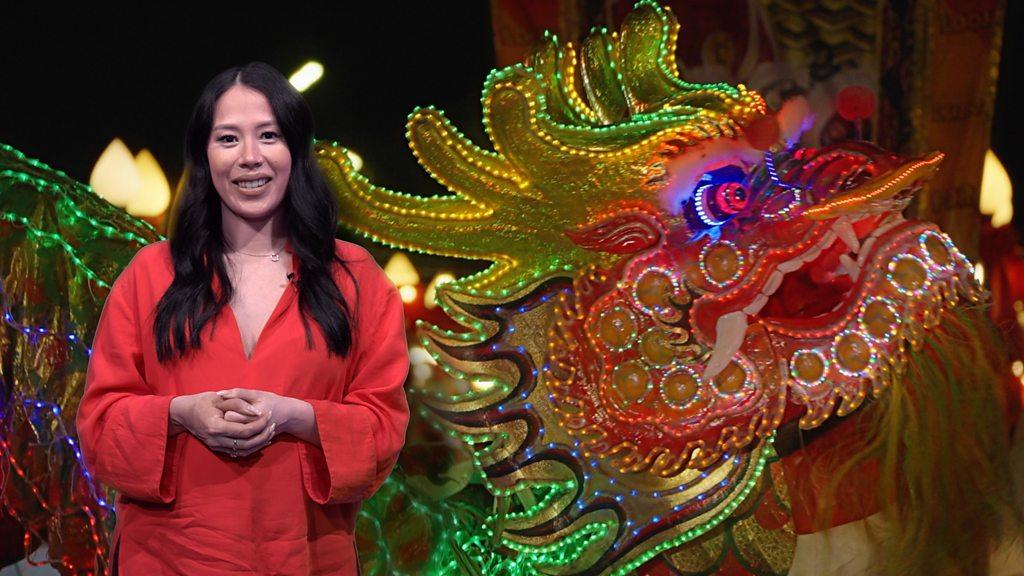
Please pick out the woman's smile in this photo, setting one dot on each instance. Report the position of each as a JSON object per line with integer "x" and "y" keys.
{"x": 252, "y": 185}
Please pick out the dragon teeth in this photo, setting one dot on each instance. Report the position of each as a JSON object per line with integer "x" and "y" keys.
{"x": 865, "y": 250}
{"x": 774, "y": 281}
{"x": 730, "y": 331}
{"x": 849, "y": 266}
{"x": 755, "y": 306}
{"x": 844, "y": 229}
{"x": 789, "y": 265}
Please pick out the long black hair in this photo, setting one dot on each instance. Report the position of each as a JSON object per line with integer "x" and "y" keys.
{"x": 197, "y": 239}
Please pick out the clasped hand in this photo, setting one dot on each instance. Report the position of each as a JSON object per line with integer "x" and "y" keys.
{"x": 237, "y": 422}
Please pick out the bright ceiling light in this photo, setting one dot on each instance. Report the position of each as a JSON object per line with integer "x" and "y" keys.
{"x": 306, "y": 76}
{"x": 357, "y": 160}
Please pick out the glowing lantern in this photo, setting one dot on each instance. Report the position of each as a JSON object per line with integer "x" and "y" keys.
{"x": 996, "y": 198}
{"x": 401, "y": 271}
{"x": 155, "y": 193}
{"x": 408, "y": 293}
{"x": 115, "y": 177}
{"x": 429, "y": 297}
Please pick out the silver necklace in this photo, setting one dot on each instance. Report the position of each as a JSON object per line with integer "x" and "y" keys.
{"x": 274, "y": 256}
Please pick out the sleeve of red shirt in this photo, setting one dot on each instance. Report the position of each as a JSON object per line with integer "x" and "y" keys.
{"x": 121, "y": 423}
{"x": 362, "y": 434}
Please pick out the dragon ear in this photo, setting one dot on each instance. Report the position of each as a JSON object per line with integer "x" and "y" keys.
{"x": 782, "y": 127}
{"x": 764, "y": 132}
{"x": 622, "y": 229}
{"x": 795, "y": 118}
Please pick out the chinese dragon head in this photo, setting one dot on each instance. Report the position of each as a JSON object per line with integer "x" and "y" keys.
{"x": 666, "y": 300}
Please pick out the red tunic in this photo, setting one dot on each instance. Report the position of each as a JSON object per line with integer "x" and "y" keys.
{"x": 287, "y": 509}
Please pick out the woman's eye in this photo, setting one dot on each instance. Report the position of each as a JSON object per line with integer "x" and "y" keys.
{"x": 267, "y": 134}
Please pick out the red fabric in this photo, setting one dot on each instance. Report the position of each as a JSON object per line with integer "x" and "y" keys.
{"x": 288, "y": 509}
{"x": 809, "y": 470}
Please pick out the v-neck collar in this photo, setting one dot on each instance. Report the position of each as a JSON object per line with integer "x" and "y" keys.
{"x": 289, "y": 293}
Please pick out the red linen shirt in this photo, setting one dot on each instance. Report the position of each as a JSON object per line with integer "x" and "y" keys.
{"x": 291, "y": 507}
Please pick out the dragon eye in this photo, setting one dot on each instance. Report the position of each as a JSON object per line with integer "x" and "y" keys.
{"x": 730, "y": 198}
{"x": 718, "y": 197}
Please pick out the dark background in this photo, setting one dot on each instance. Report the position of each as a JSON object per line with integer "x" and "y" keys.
{"x": 74, "y": 83}
{"x": 1007, "y": 128}
{"x": 75, "y": 80}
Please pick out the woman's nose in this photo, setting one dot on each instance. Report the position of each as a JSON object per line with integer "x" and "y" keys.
{"x": 251, "y": 154}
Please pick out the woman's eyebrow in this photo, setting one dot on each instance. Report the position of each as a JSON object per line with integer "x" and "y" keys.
{"x": 232, "y": 126}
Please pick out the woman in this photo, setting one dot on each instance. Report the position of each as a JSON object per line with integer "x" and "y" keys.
{"x": 248, "y": 449}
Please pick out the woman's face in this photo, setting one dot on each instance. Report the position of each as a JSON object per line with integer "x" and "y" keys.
{"x": 246, "y": 147}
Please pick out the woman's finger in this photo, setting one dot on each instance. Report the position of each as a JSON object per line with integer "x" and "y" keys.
{"x": 232, "y": 416}
{"x": 256, "y": 443}
{"x": 244, "y": 430}
{"x": 259, "y": 439}
{"x": 238, "y": 405}
{"x": 243, "y": 393}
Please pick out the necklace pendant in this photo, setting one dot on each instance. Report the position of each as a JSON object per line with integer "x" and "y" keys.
{"x": 275, "y": 257}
